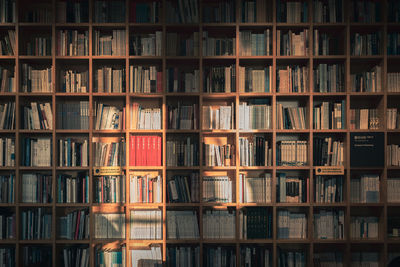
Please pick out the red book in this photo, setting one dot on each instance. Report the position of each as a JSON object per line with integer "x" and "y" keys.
{"x": 138, "y": 151}
{"x": 149, "y": 154}
{"x": 154, "y": 150}
{"x": 144, "y": 151}
{"x": 159, "y": 82}
{"x": 132, "y": 153}
{"x": 158, "y": 150}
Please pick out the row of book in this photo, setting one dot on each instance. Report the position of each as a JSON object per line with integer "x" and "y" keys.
{"x": 393, "y": 118}
{"x": 73, "y": 153}
{"x": 292, "y": 11}
{"x": 75, "y": 12}
{"x": 145, "y": 188}
{"x": 393, "y": 192}
{"x": 109, "y": 189}
{"x": 218, "y": 155}
{"x": 393, "y": 82}
{"x": 36, "y": 224}
{"x": 218, "y": 117}
{"x": 292, "y": 79}
{"x": 7, "y": 80}
{"x": 364, "y": 227}
{"x": 219, "y": 224}
{"x": 255, "y": 79}
{"x": 7, "y": 191}
{"x": 7, "y": 226}
{"x": 36, "y": 188}
{"x": 72, "y": 43}
{"x": 255, "y": 114}
{"x": 219, "y": 79}
{"x": 182, "y": 11}
{"x": 36, "y": 152}
{"x": 145, "y": 12}
{"x": 35, "y": 79}
{"x": 182, "y": 80}
{"x": 291, "y": 224}
{"x": 328, "y": 152}
{"x": 365, "y": 44}
{"x": 255, "y": 223}
{"x": 105, "y": 11}
{"x": 145, "y": 150}
{"x": 39, "y": 46}
{"x": 145, "y": 118}
{"x": 182, "y": 224}
{"x": 329, "y": 78}
{"x": 328, "y": 11}
{"x": 369, "y": 81}
{"x": 109, "y": 117}
{"x": 365, "y": 11}
{"x": 218, "y": 46}
{"x": 291, "y": 153}
{"x": 107, "y": 44}
{"x": 393, "y": 44}
{"x": 217, "y": 189}
{"x": 72, "y": 115}
{"x": 329, "y": 189}
{"x": 184, "y": 188}
{"x": 145, "y": 79}
{"x": 146, "y": 44}
{"x": 255, "y": 189}
{"x": 289, "y": 116}
{"x": 292, "y": 43}
{"x": 393, "y": 155}
{"x": 179, "y": 44}
{"x": 7, "y": 116}
{"x": 329, "y": 224}
{"x": 146, "y": 224}
{"x": 181, "y": 256}
{"x": 73, "y": 81}
{"x": 221, "y": 12}
{"x": 182, "y": 152}
{"x": 73, "y": 188}
{"x": 109, "y": 79}
{"x": 291, "y": 189}
{"x": 364, "y": 119}
{"x": 108, "y": 225}
{"x": 7, "y": 44}
{"x": 330, "y": 115}
{"x": 183, "y": 117}
{"x": 74, "y": 225}
{"x": 7, "y": 256}
{"x": 38, "y": 116}
{"x": 7, "y": 152}
{"x": 365, "y": 189}
{"x": 255, "y": 44}
{"x": 75, "y": 256}
{"x": 255, "y": 11}
{"x": 109, "y": 151}
{"x": 8, "y": 8}
{"x": 255, "y": 151}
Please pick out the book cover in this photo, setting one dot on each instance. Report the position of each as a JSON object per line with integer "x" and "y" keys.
{"x": 367, "y": 149}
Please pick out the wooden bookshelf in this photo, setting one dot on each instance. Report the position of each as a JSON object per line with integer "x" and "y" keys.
{"x": 384, "y": 245}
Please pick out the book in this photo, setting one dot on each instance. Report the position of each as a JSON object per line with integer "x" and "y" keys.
{"x": 145, "y": 12}
{"x": 217, "y": 189}
{"x": 73, "y": 152}
{"x": 365, "y": 11}
{"x": 36, "y": 79}
{"x": 369, "y": 81}
{"x": 182, "y": 151}
{"x": 182, "y": 11}
{"x": 108, "y": 117}
{"x": 145, "y": 79}
{"x": 254, "y": 189}
{"x": 145, "y": 188}
{"x": 291, "y": 188}
{"x": 183, "y": 188}
{"x": 365, "y": 189}
{"x": 182, "y": 256}
{"x": 292, "y": 79}
{"x": 72, "y": 12}
{"x": 255, "y": 11}
{"x": 74, "y": 225}
{"x": 219, "y": 224}
{"x": 330, "y": 11}
{"x": 364, "y": 227}
{"x": 293, "y": 43}
{"x": 36, "y": 255}
{"x": 144, "y": 117}
{"x": 7, "y": 44}
{"x": 146, "y": 224}
{"x": 255, "y": 151}
{"x": 109, "y": 11}
{"x": 329, "y": 224}
{"x": 329, "y": 78}
{"x": 328, "y": 151}
{"x": 74, "y": 81}
{"x": 151, "y": 256}
{"x": 291, "y": 257}
{"x": 72, "y": 115}
{"x": 109, "y": 79}
{"x": 393, "y": 193}
{"x": 36, "y": 152}
{"x": 219, "y": 79}
{"x": 219, "y": 117}
{"x": 291, "y": 225}
{"x": 329, "y": 188}
{"x": 145, "y": 44}
{"x": 7, "y": 225}
{"x": 36, "y": 188}
{"x": 37, "y": 116}
{"x": 290, "y": 115}
{"x": 364, "y": 119}
{"x": 109, "y": 225}
{"x": 109, "y": 43}
{"x": 72, "y": 42}
{"x": 182, "y": 79}
{"x": 182, "y": 224}
{"x": 7, "y": 80}
{"x": 183, "y": 116}
{"x": 291, "y": 11}
{"x": 109, "y": 189}
{"x": 108, "y": 151}
{"x": 365, "y": 44}
{"x": 219, "y": 256}
{"x": 7, "y": 256}
{"x": 254, "y": 255}
{"x": 255, "y": 223}
{"x": 7, "y": 152}
{"x": 392, "y": 118}
{"x": 110, "y": 257}
{"x": 219, "y": 12}
{"x": 36, "y": 224}
{"x": 73, "y": 188}
{"x": 255, "y": 79}
{"x": 329, "y": 258}
{"x": 7, "y": 188}
{"x": 145, "y": 150}
{"x": 367, "y": 149}
{"x": 292, "y": 153}
{"x": 75, "y": 256}
{"x": 181, "y": 44}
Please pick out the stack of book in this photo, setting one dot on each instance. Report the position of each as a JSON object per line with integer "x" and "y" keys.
{"x": 36, "y": 188}
{"x": 255, "y": 79}
{"x": 184, "y": 189}
{"x": 109, "y": 189}
{"x": 292, "y": 43}
{"x": 365, "y": 189}
{"x": 364, "y": 227}
{"x": 329, "y": 78}
{"x": 72, "y": 43}
{"x": 145, "y": 150}
{"x": 74, "y": 225}
{"x": 291, "y": 224}
{"x": 145, "y": 188}
{"x": 328, "y": 152}
{"x": 255, "y": 151}
{"x": 182, "y": 224}
{"x": 329, "y": 224}
{"x": 145, "y": 118}
{"x": 146, "y": 44}
{"x": 292, "y": 153}
{"x": 292, "y": 79}
{"x": 219, "y": 224}
{"x": 146, "y": 224}
{"x": 217, "y": 189}
{"x": 255, "y": 189}
{"x": 330, "y": 115}
{"x": 255, "y": 223}
{"x": 109, "y": 226}
{"x": 292, "y": 189}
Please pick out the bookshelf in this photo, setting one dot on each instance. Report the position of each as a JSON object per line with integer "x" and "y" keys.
{"x": 340, "y": 61}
